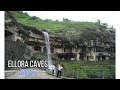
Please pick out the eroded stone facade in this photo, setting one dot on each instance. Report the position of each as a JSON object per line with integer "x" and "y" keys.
{"x": 34, "y": 41}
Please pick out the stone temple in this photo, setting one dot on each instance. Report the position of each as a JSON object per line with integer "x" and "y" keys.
{"x": 22, "y": 42}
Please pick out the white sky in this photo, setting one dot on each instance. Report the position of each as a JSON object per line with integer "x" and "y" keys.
{"x": 110, "y": 17}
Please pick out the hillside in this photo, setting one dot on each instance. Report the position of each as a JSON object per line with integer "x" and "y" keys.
{"x": 70, "y": 30}
{"x": 87, "y": 38}
{"x": 53, "y": 26}
{"x": 73, "y": 31}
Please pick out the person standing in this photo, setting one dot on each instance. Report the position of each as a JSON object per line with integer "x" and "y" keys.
{"x": 53, "y": 69}
{"x": 58, "y": 70}
{"x": 62, "y": 70}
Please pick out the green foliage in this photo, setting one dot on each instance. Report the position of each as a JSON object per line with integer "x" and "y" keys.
{"x": 88, "y": 70}
{"x": 39, "y": 56}
{"x": 53, "y": 26}
{"x": 71, "y": 31}
{"x": 58, "y": 26}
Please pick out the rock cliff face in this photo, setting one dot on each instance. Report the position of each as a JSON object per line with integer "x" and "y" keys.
{"x": 16, "y": 51}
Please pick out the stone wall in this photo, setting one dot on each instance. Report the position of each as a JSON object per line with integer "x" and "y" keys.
{"x": 32, "y": 34}
{"x": 10, "y": 37}
{"x": 16, "y": 51}
{"x": 59, "y": 50}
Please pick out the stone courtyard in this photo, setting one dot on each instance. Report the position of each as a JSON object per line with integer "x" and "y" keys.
{"x": 39, "y": 74}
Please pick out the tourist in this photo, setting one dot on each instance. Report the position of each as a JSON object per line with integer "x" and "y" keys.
{"x": 62, "y": 70}
{"x": 59, "y": 70}
{"x": 53, "y": 69}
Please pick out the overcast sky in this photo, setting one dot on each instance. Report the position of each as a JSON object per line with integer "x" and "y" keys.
{"x": 110, "y": 17}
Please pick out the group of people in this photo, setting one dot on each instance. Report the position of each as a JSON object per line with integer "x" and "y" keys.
{"x": 58, "y": 70}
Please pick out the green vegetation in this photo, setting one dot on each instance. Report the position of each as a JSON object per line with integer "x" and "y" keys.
{"x": 88, "y": 70}
{"x": 75, "y": 33}
{"x": 53, "y": 26}
{"x": 70, "y": 30}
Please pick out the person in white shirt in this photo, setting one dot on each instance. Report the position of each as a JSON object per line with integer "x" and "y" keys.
{"x": 59, "y": 70}
{"x": 62, "y": 70}
{"x": 53, "y": 69}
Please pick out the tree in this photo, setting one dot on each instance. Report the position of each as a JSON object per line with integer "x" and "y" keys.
{"x": 34, "y": 18}
{"x": 98, "y": 22}
{"x": 66, "y": 20}
{"x": 26, "y": 14}
{"x": 47, "y": 20}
